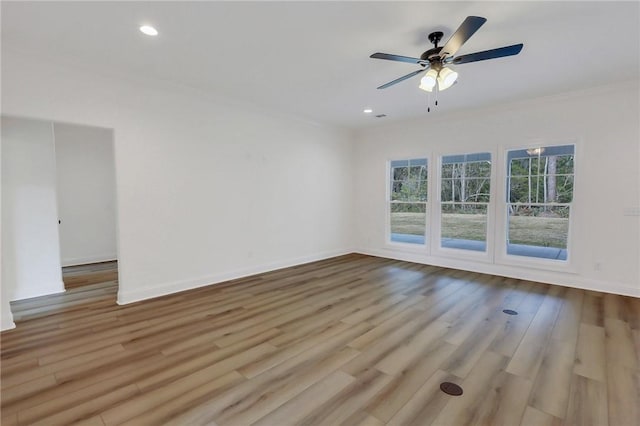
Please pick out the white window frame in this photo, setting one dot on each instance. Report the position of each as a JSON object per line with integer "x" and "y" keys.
{"x": 486, "y": 256}
{"x": 398, "y": 245}
{"x": 502, "y": 217}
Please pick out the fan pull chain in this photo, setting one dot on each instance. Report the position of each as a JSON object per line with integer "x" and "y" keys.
{"x": 429, "y": 99}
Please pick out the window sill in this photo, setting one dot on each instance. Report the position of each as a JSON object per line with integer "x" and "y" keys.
{"x": 406, "y": 247}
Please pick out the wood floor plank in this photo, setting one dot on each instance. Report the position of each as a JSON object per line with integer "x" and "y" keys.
{"x": 467, "y": 354}
{"x": 194, "y": 395}
{"x": 505, "y": 401}
{"x": 83, "y": 411}
{"x": 568, "y": 321}
{"x": 382, "y": 330}
{"x": 362, "y": 418}
{"x": 535, "y": 417}
{"x": 252, "y": 400}
{"x": 297, "y": 408}
{"x": 623, "y": 395}
{"x": 9, "y": 420}
{"x": 468, "y": 407}
{"x": 510, "y": 334}
{"x": 91, "y": 385}
{"x": 424, "y": 405}
{"x": 352, "y": 340}
{"x": 588, "y": 403}
{"x": 619, "y": 344}
{"x": 75, "y": 406}
{"x": 147, "y": 401}
{"x": 593, "y": 309}
{"x": 264, "y": 363}
{"x": 553, "y": 381}
{"x": 415, "y": 346}
{"x": 528, "y": 357}
{"x": 356, "y": 395}
{"x": 382, "y": 348}
{"x": 590, "y": 353}
{"x": 408, "y": 379}
{"x": 217, "y": 363}
{"x": 25, "y": 389}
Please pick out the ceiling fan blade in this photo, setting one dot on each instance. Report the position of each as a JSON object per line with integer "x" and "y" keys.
{"x": 398, "y": 80}
{"x": 398, "y": 58}
{"x": 488, "y": 54}
{"x": 468, "y": 27}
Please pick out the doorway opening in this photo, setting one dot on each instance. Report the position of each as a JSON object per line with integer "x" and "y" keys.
{"x": 85, "y": 190}
{"x": 59, "y": 240}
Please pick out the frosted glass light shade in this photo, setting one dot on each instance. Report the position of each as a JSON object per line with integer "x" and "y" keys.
{"x": 428, "y": 82}
{"x": 446, "y": 78}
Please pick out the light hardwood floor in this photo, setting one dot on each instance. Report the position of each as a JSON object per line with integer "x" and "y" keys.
{"x": 353, "y": 340}
{"x": 93, "y": 273}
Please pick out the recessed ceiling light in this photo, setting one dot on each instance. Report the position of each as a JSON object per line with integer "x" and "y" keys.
{"x": 368, "y": 111}
{"x": 148, "y": 30}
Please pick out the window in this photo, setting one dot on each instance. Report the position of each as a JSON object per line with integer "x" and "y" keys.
{"x": 539, "y": 195}
{"x": 465, "y": 184}
{"x": 408, "y": 201}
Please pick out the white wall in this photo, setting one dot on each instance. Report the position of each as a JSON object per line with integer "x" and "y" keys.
{"x": 603, "y": 123}
{"x": 207, "y": 189}
{"x": 30, "y": 251}
{"x": 6, "y": 317}
{"x": 86, "y": 181}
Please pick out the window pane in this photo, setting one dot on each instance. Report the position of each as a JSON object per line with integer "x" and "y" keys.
{"x": 446, "y": 194}
{"x": 447, "y": 170}
{"x": 400, "y": 173}
{"x": 465, "y": 181}
{"x": 477, "y": 190}
{"x": 451, "y": 190}
{"x": 408, "y": 200}
{"x": 408, "y": 222}
{"x": 397, "y": 194}
{"x": 421, "y": 192}
{"x": 520, "y": 167}
{"x": 539, "y": 179}
{"x": 565, "y": 164}
{"x": 565, "y": 188}
{"x": 417, "y": 172}
{"x": 464, "y": 226}
{"x": 519, "y": 190}
{"x": 478, "y": 169}
{"x": 414, "y": 186}
{"x": 538, "y": 231}
{"x": 535, "y": 166}
{"x": 409, "y": 190}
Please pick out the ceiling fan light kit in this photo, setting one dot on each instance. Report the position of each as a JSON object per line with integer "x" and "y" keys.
{"x": 446, "y": 78}
{"x": 428, "y": 82}
{"x": 437, "y": 60}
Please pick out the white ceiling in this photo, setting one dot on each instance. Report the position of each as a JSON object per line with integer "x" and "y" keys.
{"x": 312, "y": 58}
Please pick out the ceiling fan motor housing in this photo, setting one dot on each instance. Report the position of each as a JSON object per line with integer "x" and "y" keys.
{"x": 433, "y": 55}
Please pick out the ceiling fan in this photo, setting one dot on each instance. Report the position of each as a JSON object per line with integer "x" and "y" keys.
{"x": 437, "y": 59}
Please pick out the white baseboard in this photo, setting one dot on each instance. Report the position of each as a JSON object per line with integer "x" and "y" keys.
{"x": 7, "y": 321}
{"x": 162, "y": 289}
{"x": 547, "y": 277}
{"x": 73, "y": 261}
{"x": 55, "y": 288}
